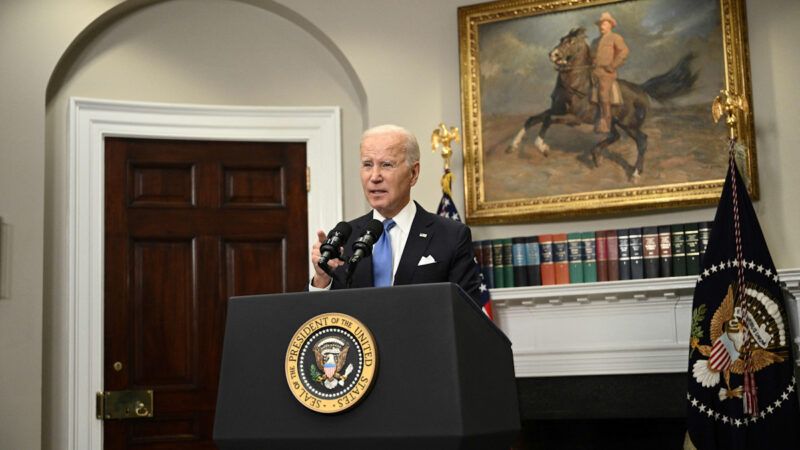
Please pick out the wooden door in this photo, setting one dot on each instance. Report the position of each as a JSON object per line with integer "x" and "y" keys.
{"x": 189, "y": 224}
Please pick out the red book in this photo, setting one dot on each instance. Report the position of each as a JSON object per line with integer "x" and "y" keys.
{"x": 547, "y": 268}
{"x": 613, "y": 255}
{"x": 561, "y": 258}
{"x": 601, "y": 243}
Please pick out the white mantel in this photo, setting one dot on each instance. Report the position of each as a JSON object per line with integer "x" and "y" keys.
{"x": 607, "y": 328}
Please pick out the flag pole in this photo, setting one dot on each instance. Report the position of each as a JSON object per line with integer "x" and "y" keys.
{"x": 728, "y": 103}
{"x": 442, "y": 136}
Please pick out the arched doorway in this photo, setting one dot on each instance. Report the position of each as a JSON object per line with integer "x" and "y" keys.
{"x": 157, "y": 76}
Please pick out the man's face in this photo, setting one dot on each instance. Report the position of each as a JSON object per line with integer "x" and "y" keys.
{"x": 605, "y": 27}
{"x": 385, "y": 175}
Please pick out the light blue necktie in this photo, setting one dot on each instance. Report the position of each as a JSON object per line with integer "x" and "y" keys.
{"x": 382, "y": 257}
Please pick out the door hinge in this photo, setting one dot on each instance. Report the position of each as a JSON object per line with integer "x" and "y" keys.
{"x": 308, "y": 179}
{"x": 111, "y": 405}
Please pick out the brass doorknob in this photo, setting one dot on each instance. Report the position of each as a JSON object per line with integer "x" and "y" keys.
{"x": 141, "y": 410}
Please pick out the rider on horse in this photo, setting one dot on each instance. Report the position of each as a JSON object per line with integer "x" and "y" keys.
{"x": 610, "y": 54}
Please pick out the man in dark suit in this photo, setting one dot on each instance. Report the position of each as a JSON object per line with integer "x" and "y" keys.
{"x": 433, "y": 248}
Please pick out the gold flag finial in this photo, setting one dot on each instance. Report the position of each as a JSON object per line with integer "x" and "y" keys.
{"x": 442, "y": 136}
{"x": 727, "y": 102}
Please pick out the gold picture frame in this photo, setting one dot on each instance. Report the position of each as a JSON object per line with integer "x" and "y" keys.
{"x": 508, "y": 68}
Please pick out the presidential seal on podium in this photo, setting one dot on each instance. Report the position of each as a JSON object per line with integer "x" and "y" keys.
{"x": 331, "y": 363}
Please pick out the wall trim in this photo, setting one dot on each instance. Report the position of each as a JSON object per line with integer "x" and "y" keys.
{"x": 90, "y": 121}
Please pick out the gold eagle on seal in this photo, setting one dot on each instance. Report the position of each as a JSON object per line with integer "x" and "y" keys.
{"x": 331, "y": 357}
{"x": 767, "y": 324}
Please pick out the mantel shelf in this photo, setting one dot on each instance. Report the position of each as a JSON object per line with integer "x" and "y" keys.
{"x": 604, "y": 328}
{"x": 610, "y": 290}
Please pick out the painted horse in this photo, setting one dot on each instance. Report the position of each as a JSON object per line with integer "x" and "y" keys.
{"x": 571, "y": 103}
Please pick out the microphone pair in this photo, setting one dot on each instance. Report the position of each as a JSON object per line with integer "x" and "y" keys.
{"x": 362, "y": 247}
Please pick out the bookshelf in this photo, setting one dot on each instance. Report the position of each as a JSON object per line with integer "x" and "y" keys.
{"x": 607, "y": 328}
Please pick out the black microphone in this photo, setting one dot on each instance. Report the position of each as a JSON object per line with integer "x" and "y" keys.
{"x": 330, "y": 248}
{"x": 362, "y": 248}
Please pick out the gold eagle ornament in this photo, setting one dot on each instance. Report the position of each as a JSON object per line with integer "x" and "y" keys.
{"x": 442, "y": 136}
{"x": 726, "y": 103}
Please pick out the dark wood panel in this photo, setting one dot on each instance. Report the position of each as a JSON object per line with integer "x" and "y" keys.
{"x": 161, "y": 185}
{"x": 253, "y": 186}
{"x": 165, "y": 430}
{"x": 164, "y": 316}
{"x": 205, "y": 221}
{"x": 242, "y": 256}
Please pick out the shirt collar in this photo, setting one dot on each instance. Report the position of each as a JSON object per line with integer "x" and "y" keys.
{"x": 403, "y": 219}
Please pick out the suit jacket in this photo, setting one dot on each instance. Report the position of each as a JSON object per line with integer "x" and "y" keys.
{"x": 447, "y": 241}
{"x": 611, "y": 52}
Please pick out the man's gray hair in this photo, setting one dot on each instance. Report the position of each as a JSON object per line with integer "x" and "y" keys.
{"x": 411, "y": 146}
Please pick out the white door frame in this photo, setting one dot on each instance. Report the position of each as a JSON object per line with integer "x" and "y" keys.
{"x": 90, "y": 121}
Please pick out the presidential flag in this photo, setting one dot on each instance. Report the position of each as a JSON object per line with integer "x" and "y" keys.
{"x": 741, "y": 390}
{"x": 448, "y": 209}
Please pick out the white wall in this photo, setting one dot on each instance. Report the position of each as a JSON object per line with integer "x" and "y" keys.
{"x": 407, "y": 56}
{"x": 774, "y": 62}
{"x": 220, "y": 51}
{"x": 34, "y": 36}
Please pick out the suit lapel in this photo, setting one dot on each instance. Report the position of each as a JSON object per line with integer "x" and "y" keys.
{"x": 419, "y": 237}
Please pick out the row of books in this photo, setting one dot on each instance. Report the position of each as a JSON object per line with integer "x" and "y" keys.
{"x": 607, "y": 255}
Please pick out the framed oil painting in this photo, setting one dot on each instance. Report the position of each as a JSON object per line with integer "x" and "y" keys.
{"x": 585, "y": 107}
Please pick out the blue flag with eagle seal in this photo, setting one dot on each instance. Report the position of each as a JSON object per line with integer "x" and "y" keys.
{"x": 741, "y": 389}
{"x": 448, "y": 209}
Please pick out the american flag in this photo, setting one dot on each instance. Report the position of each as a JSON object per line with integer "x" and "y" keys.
{"x": 448, "y": 209}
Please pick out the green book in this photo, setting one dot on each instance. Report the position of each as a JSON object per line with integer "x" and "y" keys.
{"x": 678, "y": 250}
{"x": 589, "y": 257}
{"x": 499, "y": 267}
{"x": 575, "y": 257}
{"x": 692, "y": 244}
{"x": 508, "y": 263}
